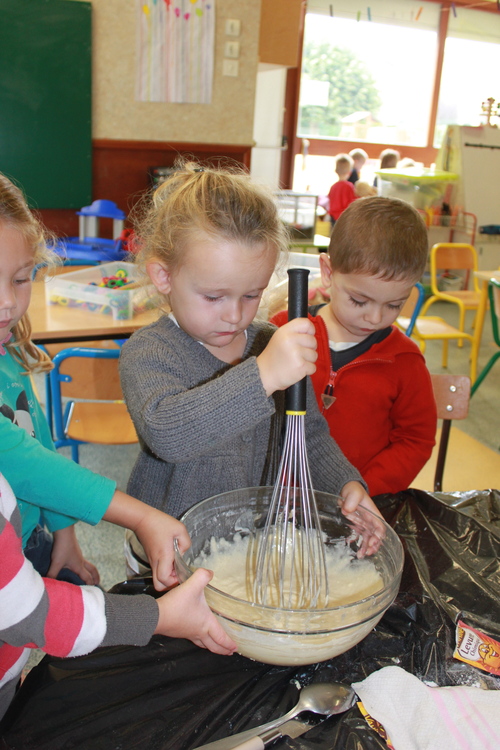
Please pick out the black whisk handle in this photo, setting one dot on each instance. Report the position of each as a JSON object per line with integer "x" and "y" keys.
{"x": 295, "y": 397}
{"x": 297, "y": 292}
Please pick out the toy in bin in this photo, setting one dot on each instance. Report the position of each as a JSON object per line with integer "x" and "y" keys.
{"x": 119, "y": 280}
{"x": 108, "y": 289}
{"x": 88, "y": 245}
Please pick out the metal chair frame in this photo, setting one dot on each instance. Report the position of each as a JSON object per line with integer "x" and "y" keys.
{"x": 452, "y": 395}
{"x": 494, "y": 296}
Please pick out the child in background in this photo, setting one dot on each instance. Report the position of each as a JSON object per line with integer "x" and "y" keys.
{"x": 204, "y": 384}
{"x": 389, "y": 158}
{"x": 341, "y": 192}
{"x": 364, "y": 189}
{"x": 52, "y": 490}
{"x": 371, "y": 381}
{"x": 67, "y": 620}
{"x": 406, "y": 163}
{"x": 359, "y": 158}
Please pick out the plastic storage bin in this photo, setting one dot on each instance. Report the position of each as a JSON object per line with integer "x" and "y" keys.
{"x": 298, "y": 211}
{"x": 274, "y": 297}
{"x": 83, "y": 289}
{"x": 304, "y": 260}
{"x": 423, "y": 188}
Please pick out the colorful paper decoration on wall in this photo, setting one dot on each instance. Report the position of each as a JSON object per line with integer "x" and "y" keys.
{"x": 175, "y": 50}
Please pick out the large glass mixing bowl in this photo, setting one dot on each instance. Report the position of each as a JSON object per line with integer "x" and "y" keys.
{"x": 285, "y": 636}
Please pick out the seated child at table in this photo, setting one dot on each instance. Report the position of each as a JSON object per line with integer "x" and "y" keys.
{"x": 205, "y": 384}
{"x": 371, "y": 380}
{"x": 67, "y": 620}
{"x": 342, "y": 192}
{"x": 53, "y": 491}
{"x": 363, "y": 189}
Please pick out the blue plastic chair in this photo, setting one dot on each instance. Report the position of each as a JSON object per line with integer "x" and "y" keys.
{"x": 49, "y": 349}
{"x": 87, "y": 401}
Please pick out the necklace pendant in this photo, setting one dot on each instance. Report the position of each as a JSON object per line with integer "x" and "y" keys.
{"x": 327, "y": 400}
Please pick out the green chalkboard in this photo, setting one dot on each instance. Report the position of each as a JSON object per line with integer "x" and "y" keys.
{"x": 45, "y": 100}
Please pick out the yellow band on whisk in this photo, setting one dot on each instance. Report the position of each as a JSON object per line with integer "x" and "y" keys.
{"x": 295, "y": 413}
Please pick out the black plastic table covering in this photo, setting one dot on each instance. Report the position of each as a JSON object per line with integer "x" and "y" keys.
{"x": 171, "y": 695}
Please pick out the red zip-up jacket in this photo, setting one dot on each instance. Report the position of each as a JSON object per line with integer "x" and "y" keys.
{"x": 383, "y": 415}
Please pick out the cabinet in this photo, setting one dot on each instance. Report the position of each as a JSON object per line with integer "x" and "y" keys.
{"x": 280, "y": 32}
{"x": 488, "y": 252}
{"x": 474, "y": 154}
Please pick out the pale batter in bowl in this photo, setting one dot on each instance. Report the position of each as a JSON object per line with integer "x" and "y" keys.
{"x": 361, "y": 590}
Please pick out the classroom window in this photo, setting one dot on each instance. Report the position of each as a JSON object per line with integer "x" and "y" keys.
{"x": 470, "y": 70}
{"x": 368, "y": 76}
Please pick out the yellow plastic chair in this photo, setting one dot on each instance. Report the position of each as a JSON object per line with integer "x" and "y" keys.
{"x": 426, "y": 327}
{"x": 454, "y": 256}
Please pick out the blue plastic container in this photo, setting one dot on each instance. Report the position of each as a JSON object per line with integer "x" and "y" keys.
{"x": 92, "y": 248}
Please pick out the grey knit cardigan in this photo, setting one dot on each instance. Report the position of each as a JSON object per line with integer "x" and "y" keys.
{"x": 206, "y": 427}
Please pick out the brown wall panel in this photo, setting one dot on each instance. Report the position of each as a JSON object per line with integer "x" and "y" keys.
{"x": 120, "y": 173}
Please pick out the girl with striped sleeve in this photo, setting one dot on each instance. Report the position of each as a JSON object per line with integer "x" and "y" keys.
{"x": 68, "y": 620}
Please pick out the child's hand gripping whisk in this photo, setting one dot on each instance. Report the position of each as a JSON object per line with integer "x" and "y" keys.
{"x": 290, "y": 564}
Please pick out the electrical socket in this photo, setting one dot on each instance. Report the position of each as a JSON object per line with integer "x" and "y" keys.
{"x": 232, "y": 50}
{"x": 233, "y": 27}
{"x": 230, "y": 68}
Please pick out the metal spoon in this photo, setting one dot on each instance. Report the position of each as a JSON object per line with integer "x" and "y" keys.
{"x": 326, "y": 698}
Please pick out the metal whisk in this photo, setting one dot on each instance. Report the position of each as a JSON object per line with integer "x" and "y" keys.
{"x": 290, "y": 569}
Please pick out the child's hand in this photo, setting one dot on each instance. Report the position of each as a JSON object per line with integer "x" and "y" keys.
{"x": 66, "y": 553}
{"x": 354, "y": 495}
{"x": 156, "y": 532}
{"x": 289, "y": 356}
{"x": 184, "y": 613}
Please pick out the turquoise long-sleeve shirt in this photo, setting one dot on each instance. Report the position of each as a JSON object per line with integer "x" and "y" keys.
{"x": 59, "y": 490}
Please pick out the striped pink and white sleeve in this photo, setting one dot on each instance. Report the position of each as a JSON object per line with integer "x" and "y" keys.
{"x": 57, "y": 617}
{"x": 31, "y": 606}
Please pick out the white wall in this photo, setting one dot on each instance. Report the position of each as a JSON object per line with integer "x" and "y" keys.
{"x": 268, "y": 124}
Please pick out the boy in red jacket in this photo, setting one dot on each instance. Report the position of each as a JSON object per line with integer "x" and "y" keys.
{"x": 341, "y": 192}
{"x": 371, "y": 381}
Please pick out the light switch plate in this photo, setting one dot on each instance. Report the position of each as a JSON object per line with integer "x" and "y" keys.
{"x": 230, "y": 68}
{"x": 233, "y": 27}
{"x": 232, "y": 50}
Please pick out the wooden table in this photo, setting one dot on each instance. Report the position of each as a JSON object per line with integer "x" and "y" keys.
{"x": 484, "y": 277}
{"x": 54, "y": 323}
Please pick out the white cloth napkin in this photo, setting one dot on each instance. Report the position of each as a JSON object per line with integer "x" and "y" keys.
{"x": 419, "y": 717}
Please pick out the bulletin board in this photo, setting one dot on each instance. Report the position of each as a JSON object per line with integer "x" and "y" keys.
{"x": 45, "y": 100}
